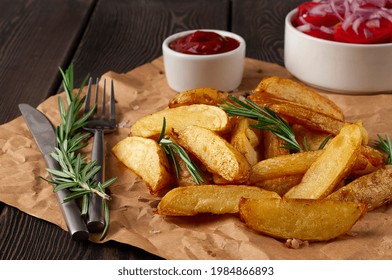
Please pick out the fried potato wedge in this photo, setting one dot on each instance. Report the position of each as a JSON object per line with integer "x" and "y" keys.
{"x": 280, "y": 185}
{"x": 208, "y": 96}
{"x": 312, "y": 220}
{"x": 308, "y": 118}
{"x": 223, "y": 199}
{"x": 246, "y": 140}
{"x": 273, "y": 145}
{"x": 211, "y": 117}
{"x": 284, "y": 165}
{"x": 313, "y": 138}
{"x": 331, "y": 167}
{"x": 217, "y": 155}
{"x": 373, "y": 190}
{"x": 296, "y": 92}
{"x": 146, "y": 159}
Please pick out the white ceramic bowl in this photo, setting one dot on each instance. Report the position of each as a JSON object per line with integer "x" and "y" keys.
{"x": 220, "y": 71}
{"x": 334, "y": 66}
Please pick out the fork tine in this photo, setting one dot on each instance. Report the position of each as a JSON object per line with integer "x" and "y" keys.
{"x": 103, "y": 110}
{"x": 88, "y": 97}
{"x": 96, "y": 97}
{"x": 112, "y": 104}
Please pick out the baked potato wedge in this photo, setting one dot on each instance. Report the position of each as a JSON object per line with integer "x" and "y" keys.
{"x": 216, "y": 154}
{"x": 280, "y": 185}
{"x": 273, "y": 145}
{"x": 146, "y": 159}
{"x": 284, "y": 165}
{"x": 331, "y": 167}
{"x": 308, "y": 118}
{"x": 211, "y": 117}
{"x": 223, "y": 199}
{"x": 373, "y": 190}
{"x": 208, "y": 96}
{"x": 312, "y": 220}
{"x": 245, "y": 139}
{"x": 290, "y": 90}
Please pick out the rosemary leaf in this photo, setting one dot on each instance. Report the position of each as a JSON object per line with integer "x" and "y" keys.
{"x": 171, "y": 147}
{"x": 266, "y": 120}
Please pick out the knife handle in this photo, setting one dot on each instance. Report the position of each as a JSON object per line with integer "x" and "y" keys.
{"x": 95, "y": 220}
{"x": 71, "y": 212}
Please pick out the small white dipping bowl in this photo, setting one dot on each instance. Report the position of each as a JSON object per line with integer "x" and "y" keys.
{"x": 334, "y": 66}
{"x": 219, "y": 71}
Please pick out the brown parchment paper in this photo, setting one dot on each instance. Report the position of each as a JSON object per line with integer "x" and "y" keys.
{"x": 133, "y": 221}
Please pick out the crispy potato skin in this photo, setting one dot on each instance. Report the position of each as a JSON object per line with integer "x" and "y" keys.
{"x": 296, "y": 92}
{"x": 373, "y": 190}
{"x": 211, "y": 117}
{"x": 146, "y": 159}
{"x": 312, "y": 220}
{"x": 223, "y": 199}
{"x": 331, "y": 167}
{"x": 218, "y": 155}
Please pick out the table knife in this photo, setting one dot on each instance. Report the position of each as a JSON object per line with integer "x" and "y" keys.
{"x": 44, "y": 135}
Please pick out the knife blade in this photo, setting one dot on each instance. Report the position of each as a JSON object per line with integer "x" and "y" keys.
{"x": 44, "y": 135}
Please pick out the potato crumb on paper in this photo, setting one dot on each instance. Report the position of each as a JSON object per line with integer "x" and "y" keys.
{"x": 295, "y": 243}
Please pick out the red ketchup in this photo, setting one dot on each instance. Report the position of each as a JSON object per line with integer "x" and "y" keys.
{"x": 204, "y": 43}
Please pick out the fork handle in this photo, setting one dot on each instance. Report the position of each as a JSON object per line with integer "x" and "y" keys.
{"x": 95, "y": 221}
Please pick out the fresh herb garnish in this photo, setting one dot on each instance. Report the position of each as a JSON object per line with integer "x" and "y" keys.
{"x": 76, "y": 174}
{"x": 266, "y": 120}
{"x": 385, "y": 145}
{"x": 171, "y": 147}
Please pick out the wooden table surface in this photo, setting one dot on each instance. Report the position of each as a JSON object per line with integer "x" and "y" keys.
{"x": 38, "y": 36}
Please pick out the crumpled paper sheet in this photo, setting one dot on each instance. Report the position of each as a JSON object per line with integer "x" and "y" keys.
{"x": 133, "y": 221}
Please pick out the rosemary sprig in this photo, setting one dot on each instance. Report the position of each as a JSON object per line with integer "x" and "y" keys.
{"x": 266, "y": 120}
{"x": 76, "y": 174}
{"x": 171, "y": 147}
{"x": 385, "y": 145}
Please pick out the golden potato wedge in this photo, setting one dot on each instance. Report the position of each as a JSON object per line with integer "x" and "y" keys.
{"x": 373, "y": 190}
{"x": 217, "y": 155}
{"x": 312, "y": 220}
{"x": 296, "y": 92}
{"x": 146, "y": 159}
{"x": 223, "y": 199}
{"x": 313, "y": 138}
{"x": 245, "y": 139}
{"x": 308, "y": 118}
{"x": 284, "y": 165}
{"x": 211, "y": 117}
{"x": 208, "y": 96}
{"x": 280, "y": 185}
{"x": 333, "y": 165}
{"x": 273, "y": 145}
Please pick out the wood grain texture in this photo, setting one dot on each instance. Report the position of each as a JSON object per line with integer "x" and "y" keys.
{"x": 261, "y": 23}
{"x": 123, "y": 35}
{"x": 24, "y": 237}
{"x": 36, "y": 37}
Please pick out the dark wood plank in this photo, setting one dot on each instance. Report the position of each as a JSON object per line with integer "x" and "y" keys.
{"x": 23, "y": 237}
{"x": 120, "y": 36}
{"x": 133, "y": 34}
{"x": 36, "y": 37}
{"x": 261, "y": 23}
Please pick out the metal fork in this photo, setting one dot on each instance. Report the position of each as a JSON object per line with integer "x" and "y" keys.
{"x": 99, "y": 124}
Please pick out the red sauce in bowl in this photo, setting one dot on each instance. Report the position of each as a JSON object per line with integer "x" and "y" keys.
{"x": 204, "y": 43}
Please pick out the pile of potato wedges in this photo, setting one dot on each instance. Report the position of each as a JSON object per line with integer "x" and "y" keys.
{"x": 317, "y": 194}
